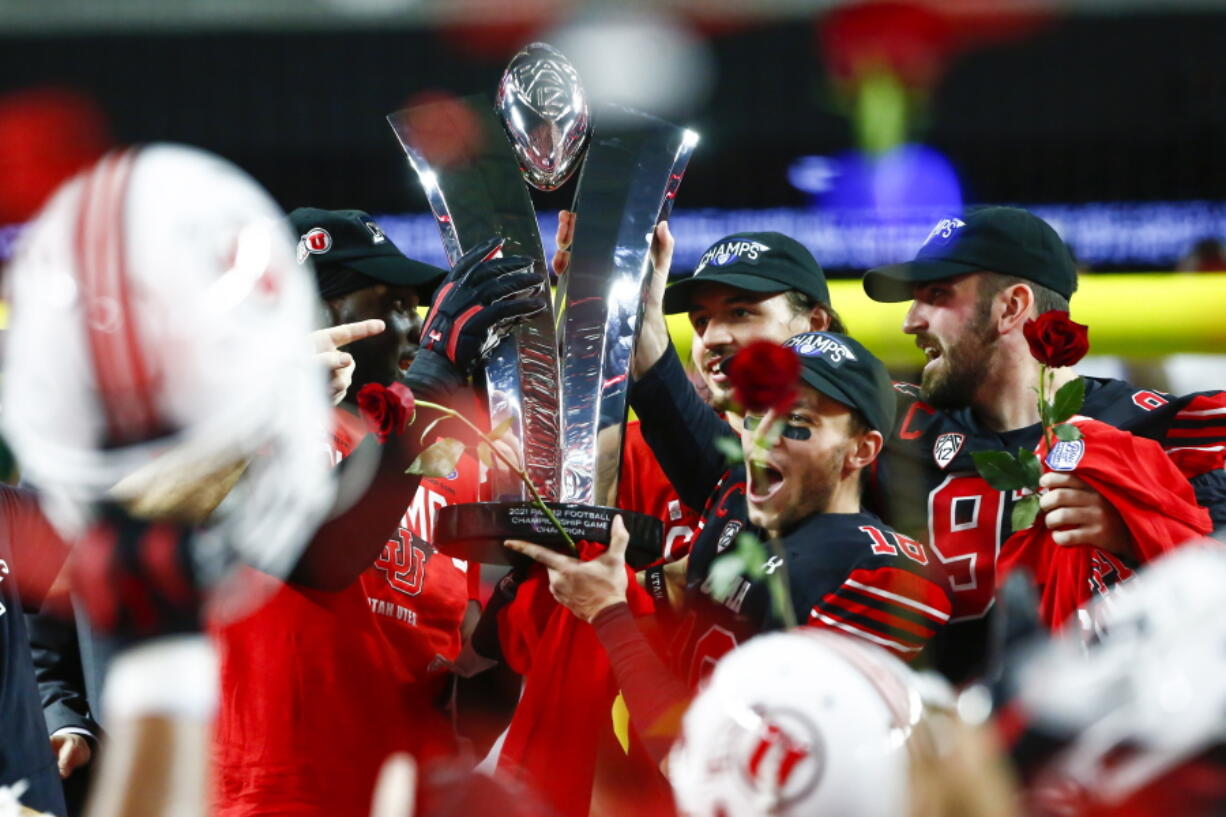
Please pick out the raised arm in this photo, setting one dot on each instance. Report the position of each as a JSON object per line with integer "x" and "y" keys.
{"x": 678, "y": 426}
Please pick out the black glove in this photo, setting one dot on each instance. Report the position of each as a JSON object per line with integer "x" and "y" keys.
{"x": 475, "y": 306}
{"x": 478, "y": 302}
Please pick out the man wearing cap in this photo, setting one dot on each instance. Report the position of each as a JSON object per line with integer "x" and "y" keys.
{"x": 319, "y": 687}
{"x": 755, "y": 286}
{"x": 362, "y": 275}
{"x": 973, "y": 284}
{"x": 846, "y": 570}
{"x": 746, "y": 287}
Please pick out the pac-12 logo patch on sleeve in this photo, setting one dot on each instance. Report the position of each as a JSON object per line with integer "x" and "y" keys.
{"x": 1065, "y": 455}
{"x": 947, "y": 447}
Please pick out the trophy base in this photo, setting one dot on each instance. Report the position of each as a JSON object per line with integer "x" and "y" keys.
{"x": 475, "y": 531}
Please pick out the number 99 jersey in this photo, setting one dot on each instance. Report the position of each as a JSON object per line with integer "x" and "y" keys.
{"x": 926, "y": 486}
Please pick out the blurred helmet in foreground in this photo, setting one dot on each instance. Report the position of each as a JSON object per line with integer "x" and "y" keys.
{"x": 804, "y": 723}
{"x": 159, "y": 338}
{"x": 1133, "y": 716}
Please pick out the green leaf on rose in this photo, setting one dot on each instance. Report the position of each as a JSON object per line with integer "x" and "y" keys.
{"x": 753, "y": 554}
{"x": 501, "y": 429}
{"x": 723, "y": 575}
{"x": 1031, "y": 465}
{"x": 730, "y": 447}
{"x": 485, "y": 454}
{"x": 1068, "y": 401}
{"x": 1024, "y": 512}
{"x": 439, "y": 460}
{"x": 1067, "y": 433}
{"x": 1001, "y": 470}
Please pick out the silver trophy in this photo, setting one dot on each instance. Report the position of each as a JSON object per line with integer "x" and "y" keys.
{"x": 562, "y": 376}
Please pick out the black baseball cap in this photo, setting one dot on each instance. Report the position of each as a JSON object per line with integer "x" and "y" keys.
{"x": 757, "y": 262}
{"x": 344, "y": 242}
{"x": 1007, "y": 240}
{"x": 843, "y": 370}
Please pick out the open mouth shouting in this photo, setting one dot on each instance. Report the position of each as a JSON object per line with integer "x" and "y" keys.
{"x": 765, "y": 480}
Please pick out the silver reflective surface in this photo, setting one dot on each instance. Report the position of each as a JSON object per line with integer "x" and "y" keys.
{"x": 628, "y": 184}
{"x": 545, "y": 113}
{"x": 473, "y": 199}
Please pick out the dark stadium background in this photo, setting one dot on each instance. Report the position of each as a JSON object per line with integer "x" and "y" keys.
{"x": 1075, "y": 108}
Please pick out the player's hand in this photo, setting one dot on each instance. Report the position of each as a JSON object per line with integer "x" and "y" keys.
{"x": 585, "y": 588}
{"x": 71, "y": 752}
{"x": 478, "y": 303}
{"x": 653, "y": 339}
{"x": 565, "y": 236}
{"x": 328, "y": 343}
{"x": 1076, "y": 514}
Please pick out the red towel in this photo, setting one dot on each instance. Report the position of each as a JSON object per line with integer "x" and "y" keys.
{"x": 568, "y": 691}
{"x": 1136, "y": 476}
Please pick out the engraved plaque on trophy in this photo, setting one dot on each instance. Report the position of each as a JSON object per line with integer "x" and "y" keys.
{"x": 561, "y": 377}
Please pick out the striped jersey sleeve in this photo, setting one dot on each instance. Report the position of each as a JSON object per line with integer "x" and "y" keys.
{"x": 1196, "y": 436}
{"x": 891, "y": 607}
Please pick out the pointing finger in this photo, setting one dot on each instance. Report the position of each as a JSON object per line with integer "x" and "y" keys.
{"x": 336, "y": 336}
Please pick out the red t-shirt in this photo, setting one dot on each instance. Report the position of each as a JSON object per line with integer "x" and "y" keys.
{"x": 643, "y": 487}
{"x": 1136, "y": 477}
{"x": 319, "y": 687}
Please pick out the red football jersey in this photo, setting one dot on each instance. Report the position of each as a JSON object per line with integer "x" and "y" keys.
{"x": 643, "y": 487}
{"x": 318, "y": 688}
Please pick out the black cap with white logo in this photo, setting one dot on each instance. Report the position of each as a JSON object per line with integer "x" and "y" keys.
{"x": 350, "y": 251}
{"x": 843, "y": 370}
{"x": 757, "y": 262}
{"x": 1007, "y": 240}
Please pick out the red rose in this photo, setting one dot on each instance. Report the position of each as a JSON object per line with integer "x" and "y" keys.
{"x": 387, "y": 410}
{"x": 764, "y": 375}
{"x": 1056, "y": 341}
